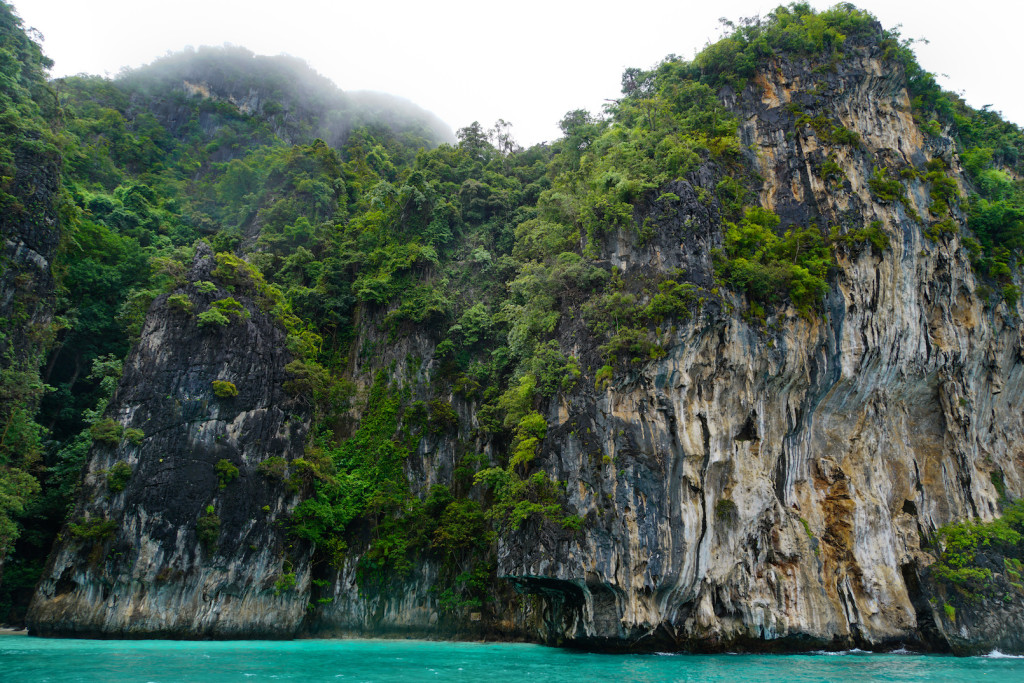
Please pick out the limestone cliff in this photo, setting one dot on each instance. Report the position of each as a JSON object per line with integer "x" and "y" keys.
{"x": 767, "y": 483}
{"x": 774, "y": 483}
{"x": 134, "y": 561}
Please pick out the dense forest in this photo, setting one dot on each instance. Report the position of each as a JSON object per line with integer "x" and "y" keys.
{"x": 337, "y": 213}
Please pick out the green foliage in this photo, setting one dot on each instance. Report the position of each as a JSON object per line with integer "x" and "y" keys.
{"x": 1010, "y": 293}
{"x": 768, "y": 267}
{"x": 998, "y": 483}
{"x": 94, "y": 529}
{"x": 224, "y": 389}
{"x": 17, "y": 488}
{"x": 807, "y": 528}
{"x": 442, "y": 417}
{"x": 226, "y": 472}
{"x": 794, "y": 29}
{"x": 829, "y": 132}
{"x": 962, "y": 543}
{"x": 223, "y": 311}
{"x": 673, "y": 300}
{"x": 204, "y": 286}
{"x": 943, "y": 189}
{"x": 213, "y": 317}
{"x": 285, "y": 582}
{"x": 107, "y": 431}
{"x": 950, "y": 612}
{"x": 936, "y": 231}
{"x": 274, "y": 467}
{"x": 180, "y": 302}
{"x": 118, "y": 476}
{"x": 362, "y": 476}
{"x": 831, "y": 172}
{"x": 885, "y": 188}
{"x": 872, "y": 234}
{"x": 208, "y": 530}
{"x": 518, "y": 494}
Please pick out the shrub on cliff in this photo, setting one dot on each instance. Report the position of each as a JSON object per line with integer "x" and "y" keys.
{"x": 107, "y": 431}
{"x": 208, "y": 529}
{"x": 118, "y": 476}
{"x": 224, "y": 389}
{"x": 967, "y": 548}
{"x": 226, "y": 472}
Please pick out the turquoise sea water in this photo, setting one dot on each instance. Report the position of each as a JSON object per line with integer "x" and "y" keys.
{"x": 28, "y": 660}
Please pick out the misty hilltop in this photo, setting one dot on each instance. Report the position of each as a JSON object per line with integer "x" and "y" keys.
{"x": 283, "y": 92}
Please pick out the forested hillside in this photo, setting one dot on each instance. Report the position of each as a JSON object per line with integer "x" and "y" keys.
{"x": 297, "y": 349}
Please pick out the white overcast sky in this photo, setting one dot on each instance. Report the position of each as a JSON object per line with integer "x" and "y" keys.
{"x": 526, "y": 61}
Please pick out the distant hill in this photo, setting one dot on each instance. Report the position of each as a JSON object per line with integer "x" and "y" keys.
{"x": 285, "y": 92}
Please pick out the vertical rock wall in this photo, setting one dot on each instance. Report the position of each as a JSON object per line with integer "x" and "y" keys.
{"x": 773, "y": 484}
{"x": 148, "y": 573}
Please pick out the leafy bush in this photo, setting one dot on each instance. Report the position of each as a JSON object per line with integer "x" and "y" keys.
{"x": 768, "y": 267}
{"x": 285, "y": 582}
{"x": 962, "y": 542}
{"x": 274, "y": 467}
{"x": 226, "y": 472}
{"x": 208, "y": 529}
{"x": 363, "y": 475}
{"x": 873, "y": 235}
{"x": 224, "y": 389}
{"x": 442, "y": 417}
{"x": 180, "y": 302}
{"x": 107, "y": 431}
{"x": 230, "y": 308}
{"x": 519, "y": 495}
{"x": 213, "y": 317}
{"x": 204, "y": 286}
{"x": 134, "y": 436}
{"x": 118, "y": 476}
{"x": 885, "y": 188}
{"x": 96, "y": 529}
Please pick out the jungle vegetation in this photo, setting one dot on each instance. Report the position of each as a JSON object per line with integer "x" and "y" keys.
{"x": 333, "y": 214}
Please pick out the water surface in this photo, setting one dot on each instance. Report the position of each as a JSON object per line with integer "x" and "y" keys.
{"x": 160, "y": 661}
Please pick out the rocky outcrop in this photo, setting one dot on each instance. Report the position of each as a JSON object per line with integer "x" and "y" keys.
{"x": 771, "y": 485}
{"x": 31, "y": 234}
{"x": 767, "y": 484}
{"x": 133, "y": 562}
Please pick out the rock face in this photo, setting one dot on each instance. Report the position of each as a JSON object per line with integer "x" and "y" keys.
{"x": 136, "y": 566}
{"x": 764, "y": 485}
{"x": 773, "y": 484}
{"x": 30, "y": 234}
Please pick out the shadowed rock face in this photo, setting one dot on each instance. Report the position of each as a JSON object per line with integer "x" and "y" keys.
{"x": 151, "y": 576}
{"x": 763, "y": 486}
{"x": 29, "y": 238}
